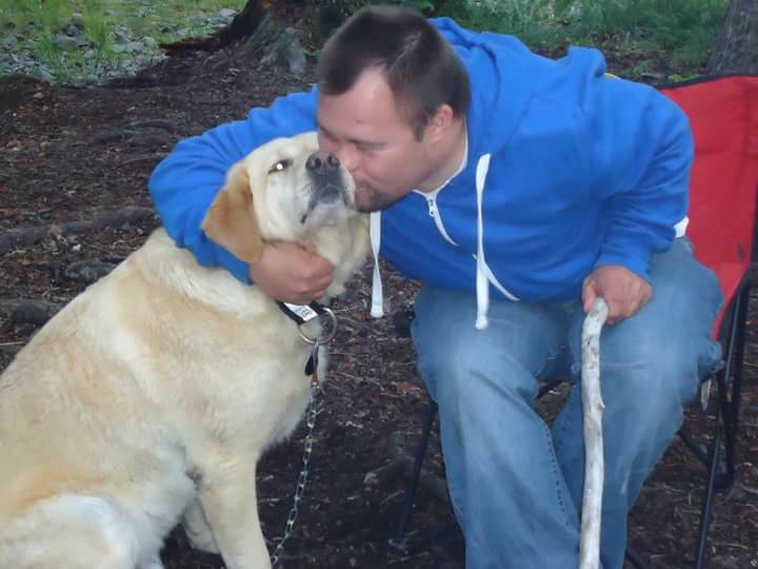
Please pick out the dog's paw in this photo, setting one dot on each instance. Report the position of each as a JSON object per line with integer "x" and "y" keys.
{"x": 202, "y": 540}
{"x": 197, "y": 529}
{"x": 152, "y": 563}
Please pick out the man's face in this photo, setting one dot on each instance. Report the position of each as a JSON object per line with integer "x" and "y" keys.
{"x": 363, "y": 128}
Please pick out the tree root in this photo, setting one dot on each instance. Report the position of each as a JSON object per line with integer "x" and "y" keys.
{"x": 26, "y": 236}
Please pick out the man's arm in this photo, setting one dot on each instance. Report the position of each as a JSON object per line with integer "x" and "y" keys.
{"x": 643, "y": 153}
{"x": 184, "y": 184}
{"x": 292, "y": 273}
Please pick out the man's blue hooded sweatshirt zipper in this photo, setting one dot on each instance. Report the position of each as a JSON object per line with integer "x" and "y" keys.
{"x": 575, "y": 170}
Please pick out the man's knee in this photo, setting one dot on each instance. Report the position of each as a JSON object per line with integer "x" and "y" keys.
{"x": 522, "y": 342}
{"x": 449, "y": 365}
{"x": 653, "y": 360}
{"x": 656, "y": 374}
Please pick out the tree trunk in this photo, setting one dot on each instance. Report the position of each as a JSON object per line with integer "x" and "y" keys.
{"x": 244, "y": 23}
{"x": 736, "y": 49}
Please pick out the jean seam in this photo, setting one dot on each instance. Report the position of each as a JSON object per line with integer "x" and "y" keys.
{"x": 557, "y": 473}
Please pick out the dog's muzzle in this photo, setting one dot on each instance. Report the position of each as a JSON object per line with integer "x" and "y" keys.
{"x": 324, "y": 170}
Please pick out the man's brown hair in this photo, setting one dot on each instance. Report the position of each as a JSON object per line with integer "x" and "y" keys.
{"x": 421, "y": 68}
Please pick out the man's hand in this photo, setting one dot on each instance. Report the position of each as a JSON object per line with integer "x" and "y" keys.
{"x": 291, "y": 273}
{"x": 624, "y": 291}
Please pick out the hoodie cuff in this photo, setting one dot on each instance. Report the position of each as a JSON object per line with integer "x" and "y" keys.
{"x": 240, "y": 269}
{"x": 636, "y": 260}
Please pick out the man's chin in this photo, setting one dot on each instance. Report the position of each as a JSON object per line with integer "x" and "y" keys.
{"x": 368, "y": 200}
{"x": 370, "y": 207}
{"x": 364, "y": 199}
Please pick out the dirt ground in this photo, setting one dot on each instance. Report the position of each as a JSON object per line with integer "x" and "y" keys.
{"x": 75, "y": 154}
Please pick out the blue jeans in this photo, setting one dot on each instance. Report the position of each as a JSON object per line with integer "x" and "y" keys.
{"x": 515, "y": 483}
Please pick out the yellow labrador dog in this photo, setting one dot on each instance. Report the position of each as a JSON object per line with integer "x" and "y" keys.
{"x": 152, "y": 395}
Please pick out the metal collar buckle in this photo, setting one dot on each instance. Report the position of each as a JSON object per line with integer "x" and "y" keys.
{"x": 331, "y": 329}
{"x": 301, "y": 314}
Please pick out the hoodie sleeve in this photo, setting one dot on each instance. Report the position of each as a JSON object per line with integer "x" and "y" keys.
{"x": 184, "y": 184}
{"x": 642, "y": 149}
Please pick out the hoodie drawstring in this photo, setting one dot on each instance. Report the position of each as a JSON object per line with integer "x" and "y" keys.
{"x": 482, "y": 283}
{"x": 375, "y": 235}
{"x": 482, "y": 270}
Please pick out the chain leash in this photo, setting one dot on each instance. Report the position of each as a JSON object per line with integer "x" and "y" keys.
{"x": 311, "y": 413}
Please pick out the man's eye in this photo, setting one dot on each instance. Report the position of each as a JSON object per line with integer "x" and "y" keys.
{"x": 366, "y": 148}
{"x": 280, "y": 166}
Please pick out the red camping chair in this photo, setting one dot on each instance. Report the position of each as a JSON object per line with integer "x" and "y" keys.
{"x": 723, "y": 113}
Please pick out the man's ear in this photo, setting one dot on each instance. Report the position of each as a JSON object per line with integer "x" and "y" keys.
{"x": 231, "y": 220}
{"x": 440, "y": 121}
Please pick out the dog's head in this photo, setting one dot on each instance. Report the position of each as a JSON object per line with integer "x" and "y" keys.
{"x": 284, "y": 190}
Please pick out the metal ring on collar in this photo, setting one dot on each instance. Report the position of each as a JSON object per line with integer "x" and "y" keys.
{"x": 332, "y": 331}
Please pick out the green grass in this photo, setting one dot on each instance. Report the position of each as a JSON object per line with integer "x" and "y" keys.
{"x": 676, "y": 35}
{"x": 685, "y": 29}
{"x": 680, "y": 31}
{"x": 105, "y": 25}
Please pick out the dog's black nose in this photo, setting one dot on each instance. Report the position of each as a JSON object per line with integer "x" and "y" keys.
{"x": 322, "y": 162}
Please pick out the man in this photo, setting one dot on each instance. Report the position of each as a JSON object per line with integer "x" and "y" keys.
{"x": 516, "y": 189}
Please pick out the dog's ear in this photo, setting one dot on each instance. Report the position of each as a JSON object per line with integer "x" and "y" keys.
{"x": 231, "y": 220}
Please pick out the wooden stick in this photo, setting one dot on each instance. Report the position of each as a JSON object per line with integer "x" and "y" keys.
{"x": 594, "y": 464}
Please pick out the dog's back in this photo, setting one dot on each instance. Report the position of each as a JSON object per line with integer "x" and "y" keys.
{"x": 77, "y": 424}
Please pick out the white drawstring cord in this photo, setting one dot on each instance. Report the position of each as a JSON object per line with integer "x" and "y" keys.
{"x": 482, "y": 283}
{"x": 377, "y": 295}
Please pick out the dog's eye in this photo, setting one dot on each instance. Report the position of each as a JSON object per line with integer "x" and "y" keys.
{"x": 281, "y": 166}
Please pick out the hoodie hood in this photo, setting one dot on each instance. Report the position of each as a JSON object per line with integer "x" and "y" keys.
{"x": 496, "y": 65}
{"x": 505, "y": 75}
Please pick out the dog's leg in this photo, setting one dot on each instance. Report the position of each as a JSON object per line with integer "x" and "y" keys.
{"x": 72, "y": 532}
{"x": 197, "y": 529}
{"x": 230, "y": 504}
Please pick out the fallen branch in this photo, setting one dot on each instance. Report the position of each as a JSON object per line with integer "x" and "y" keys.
{"x": 164, "y": 124}
{"x": 594, "y": 463}
{"x": 155, "y": 156}
{"x": 29, "y": 235}
{"x": 28, "y": 310}
{"x": 11, "y": 348}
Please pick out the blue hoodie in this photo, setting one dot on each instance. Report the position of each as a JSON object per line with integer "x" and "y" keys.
{"x": 566, "y": 170}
